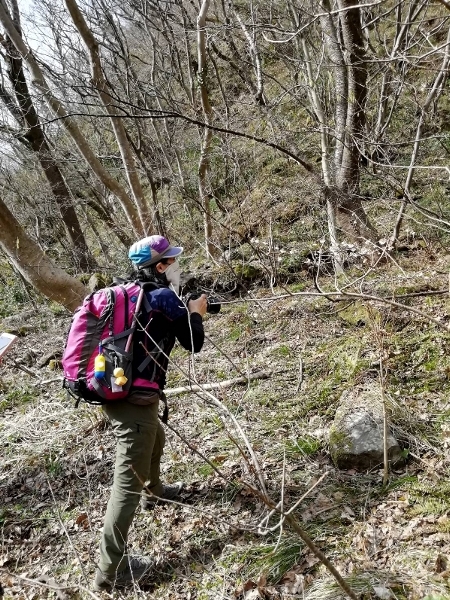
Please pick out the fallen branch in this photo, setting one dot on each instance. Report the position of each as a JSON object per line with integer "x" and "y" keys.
{"x": 218, "y": 385}
{"x": 300, "y": 375}
{"x": 385, "y": 426}
{"x": 192, "y": 388}
{"x": 23, "y": 368}
{"x": 48, "y": 381}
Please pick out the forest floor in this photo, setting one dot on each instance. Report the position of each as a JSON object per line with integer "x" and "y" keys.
{"x": 387, "y": 541}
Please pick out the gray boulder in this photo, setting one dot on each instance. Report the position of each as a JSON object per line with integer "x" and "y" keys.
{"x": 356, "y": 436}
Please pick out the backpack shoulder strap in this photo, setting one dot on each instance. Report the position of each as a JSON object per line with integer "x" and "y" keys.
{"x": 146, "y": 286}
{"x": 141, "y": 302}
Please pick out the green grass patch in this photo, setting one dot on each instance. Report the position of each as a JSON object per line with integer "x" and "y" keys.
{"x": 14, "y": 397}
{"x": 282, "y": 351}
{"x": 53, "y": 466}
{"x": 234, "y": 334}
{"x": 205, "y": 470}
{"x": 14, "y": 295}
{"x": 298, "y": 287}
{"x": 270, "y": 559}
{"x": 302, "y": 446}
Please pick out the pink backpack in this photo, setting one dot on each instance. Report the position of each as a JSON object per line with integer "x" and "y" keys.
{"x": 98, "y": 354}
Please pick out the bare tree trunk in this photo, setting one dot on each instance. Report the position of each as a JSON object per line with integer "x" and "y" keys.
{"x": 141, "y": 152}
{"x": 207, "y": 133}
{"x": 35, "y": 266}
{"x": 351, "y": 78}
{"x": 109, "y": 223}
{"x": 259, "y": 96}
{"x": 347, "y": 176}
{"x": 70, "y": 125}
{"x": 335, "y": 53}
{"x": 117, "y": 123}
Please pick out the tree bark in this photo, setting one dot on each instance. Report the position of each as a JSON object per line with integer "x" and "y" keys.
{"x": 347, "y": 176}
{"x": 348, "y": 55}
{"x": 207, "y": 133}
{"x": 35, "y": 266}
{"x": 336, "y": 56}
{"x": 254, "y": 53}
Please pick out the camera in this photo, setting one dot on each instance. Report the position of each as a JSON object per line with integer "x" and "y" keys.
{"x": 212, "y": 303}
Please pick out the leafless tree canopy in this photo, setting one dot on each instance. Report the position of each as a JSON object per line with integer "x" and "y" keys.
{"x": 119, "y": 119}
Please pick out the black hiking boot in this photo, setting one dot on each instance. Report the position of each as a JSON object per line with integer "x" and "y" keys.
{"x": 137, "y": 567}
{"x": 169, "y": 492}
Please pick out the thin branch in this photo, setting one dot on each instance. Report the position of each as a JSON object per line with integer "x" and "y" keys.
{"x": 80, "y": 562}
{"x": 102, "y": 88}
{"x": 57, "y": 108}
{"x": 211, "y": 341}
{"x": 176, "y": 115}
{"x": 50, "y": 584}
{"x": 340, "y": 295}
{"x": 194, "y": 449}
{"x": 200, "y": 510}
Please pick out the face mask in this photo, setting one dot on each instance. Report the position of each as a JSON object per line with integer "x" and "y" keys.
{"x": 173, "y": 274}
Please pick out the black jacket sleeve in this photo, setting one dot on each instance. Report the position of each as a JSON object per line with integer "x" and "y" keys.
{"x": 189, "y": 331}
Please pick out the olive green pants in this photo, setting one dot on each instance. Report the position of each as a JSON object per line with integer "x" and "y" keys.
{"x": 140, "y": 442}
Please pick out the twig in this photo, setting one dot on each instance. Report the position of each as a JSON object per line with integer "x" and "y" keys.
{"x": 211, "y": 341}
{"x": 45, "y": 582}
{"x": 385, "y": 427}
{"x": 212, "y": 400}
{"x": 281, "y": 503}
{"x": 48, "y": 381}
{"x": 255, "y": 300}
{"x": 241, "y": 451}
{"x": 397, "y": 305}
{"x": 288, "y": 512}
{"x": 420, "y": 459}
{"x": 201, "y": 510}
{"x": 341, "y": 295}
{"x": 300, "y": 375}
